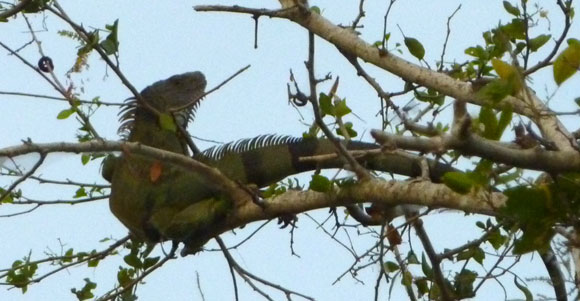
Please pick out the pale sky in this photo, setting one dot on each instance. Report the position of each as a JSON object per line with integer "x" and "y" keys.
{"x": 159, "y": 39}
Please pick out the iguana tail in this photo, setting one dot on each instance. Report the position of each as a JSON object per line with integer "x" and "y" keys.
{"x": 264, "y": 160}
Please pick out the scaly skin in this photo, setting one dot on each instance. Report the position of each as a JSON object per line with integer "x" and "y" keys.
{"x": 133, "y": 191}
{"x": 160, "y": 201}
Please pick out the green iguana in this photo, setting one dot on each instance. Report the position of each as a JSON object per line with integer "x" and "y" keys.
{"x": 159, "y": 201}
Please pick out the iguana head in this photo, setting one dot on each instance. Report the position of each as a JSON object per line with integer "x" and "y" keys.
{"x": 164, "y": 96}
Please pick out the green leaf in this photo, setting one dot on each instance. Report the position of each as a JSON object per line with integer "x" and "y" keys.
{"x": 496, "y": 239}
{"x": 519, "y": 47}
{"x": 504, "y": 120}
{"x": 111, "y": 43}
{"x": 415, "y": 47}
{"x": 426, "y": 268}
{"x": 577, "y": 101}
{"x": 68, "y": 253}
{"x": 503, "y": 69}
{"x": 568, "y": 62}
{"x": 464, "y": 283}
{"x": 422, "y": 286}
{"x": 524, "y": 289}
{"x": 489, "y": 120}
{"x": 326, "y": 107}
{"x": 93, "y": 263}
{"x": 315, "y": 9}
{"x": 390, "y": 266}
{"x": 348, "y": 127}
{"x": 150, "y": 261}
{"x": 81, "y": 192}
{"x": 538, "y": 41}
{"x": 387, "y": 37}
{"x": 8, "y": 199}
{"x": 412, "y": 258}
{"x": 407, "y": 279}
{"x": 64, "y": 114}
{"x": 515, "y": 30}
{"x": 85, "y": 159}
{"x": 167, "y": 123}
{"x": 320, "y": 183}
{"x": 341, "y": 109}
{"x": 21, "y": 274}
{"x": 487, "y": 37}
{"x": 536, "y": 213}
{"x": 125, "y": 277}
{"x": 474, "y": 252}
{"x": 497, "y": 90}
{"x": 458, "y": 181}
{"x": 511, "y": 9}
{"x": 478, "y": 52}
{"x": 273, "y": 190}
{"x": 431, "y": 96}
{"x": 93, "y": 40}
{"x": 133, "y": 260}
{"x": 509, "y": 177}
{"x": 86, "y": 292}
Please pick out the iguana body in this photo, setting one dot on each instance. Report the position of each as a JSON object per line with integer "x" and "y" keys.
{"x": 159, "y": 201}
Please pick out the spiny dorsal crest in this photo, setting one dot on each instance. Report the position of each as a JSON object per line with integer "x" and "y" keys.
{"x": 244, "y": 145}
{"x": 165, "y": 95}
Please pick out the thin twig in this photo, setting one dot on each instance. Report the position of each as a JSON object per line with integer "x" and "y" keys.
{"x": 192, "y": 102}
{"x": 86, "y": 124}
{"x": 247, "y": 275}
{"x": 118, "y": 292}
{"x": 567, "y": 24}
{"x": 23, "y": 178}
{"x": 447, "y": 37}
{"x": 104, "y": 103}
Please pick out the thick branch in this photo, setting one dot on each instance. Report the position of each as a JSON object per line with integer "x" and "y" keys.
{"x": 211, "y": 174}
{"x": 533, "y": 158}
{"x": 348, "y": 42}
{"x": 14, "y": 10}
{"x": 385, "y": 193}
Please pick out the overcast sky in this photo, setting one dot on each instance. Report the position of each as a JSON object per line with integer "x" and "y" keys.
{"x": 159, "y": 40}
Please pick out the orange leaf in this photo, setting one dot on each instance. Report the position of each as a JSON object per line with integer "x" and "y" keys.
{"x": 155, "y": 171}
{"x": 393, "y": 236}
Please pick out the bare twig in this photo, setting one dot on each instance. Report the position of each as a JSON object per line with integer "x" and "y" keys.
{"x": 23, "y": 178}
{"x": 567, "y": 11}
{"x": 59, "y": 12}
{"x": 85, "y": 122}
{"x": 193, "y": 101}
{"x": 104, "y": 103}
{"x": 249, "y": 276}
{"x": 441, "y": 65}
{"x": 556, "y": 276}
{"x": 435, "y": 261}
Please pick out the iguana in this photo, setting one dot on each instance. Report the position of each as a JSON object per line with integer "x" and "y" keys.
{"x": 178, "y": 204}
